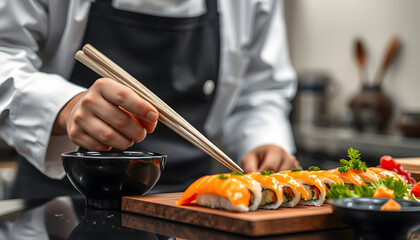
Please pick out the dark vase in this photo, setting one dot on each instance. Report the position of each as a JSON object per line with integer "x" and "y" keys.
{"x": 372, "y": 110}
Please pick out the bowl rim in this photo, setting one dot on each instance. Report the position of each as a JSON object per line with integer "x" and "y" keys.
{"x": 340, "y": 203}
{"x": 99, "y": 155}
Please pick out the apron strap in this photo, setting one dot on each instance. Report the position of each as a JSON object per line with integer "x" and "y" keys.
{"x": 211, "y": 6}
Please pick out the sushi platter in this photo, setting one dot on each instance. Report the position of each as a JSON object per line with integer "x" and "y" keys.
{"x": 270, "y": 203}
{"x": 256, "y": 223}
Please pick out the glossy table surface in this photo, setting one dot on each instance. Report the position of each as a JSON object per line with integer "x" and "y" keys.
{"x": 68, "y": 218}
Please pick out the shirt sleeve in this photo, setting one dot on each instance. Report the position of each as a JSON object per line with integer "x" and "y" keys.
{"x": 29, "y": 98}
{"x": 261, "y": 113}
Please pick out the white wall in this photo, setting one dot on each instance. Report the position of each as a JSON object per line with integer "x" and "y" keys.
{"x": 321, "y": 35}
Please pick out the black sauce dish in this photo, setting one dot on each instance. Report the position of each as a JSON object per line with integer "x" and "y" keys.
{"x": 369, "y": 222}
{"x": 103, "y": 178}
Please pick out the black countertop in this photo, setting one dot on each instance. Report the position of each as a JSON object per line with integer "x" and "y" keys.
{"x": 67, "y": 218}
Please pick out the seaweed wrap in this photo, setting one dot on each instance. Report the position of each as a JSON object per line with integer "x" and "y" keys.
{"x": 293, "y": 190}
{"x": 272, "y": 190}
{"x": 313, "y": 185}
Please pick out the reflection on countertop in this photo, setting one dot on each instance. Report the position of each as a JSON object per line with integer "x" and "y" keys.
{"x": 63, "y": 218}
{"x": 67, "y": 218}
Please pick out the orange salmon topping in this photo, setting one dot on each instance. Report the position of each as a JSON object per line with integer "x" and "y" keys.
{"x": 349, "y": 177}
{"x": 391, "y": 205}
{"x": 328, "y": 175}
{"x": 383, "y": 173}
{"x": 292, "y": 182}
{"x": 231, "y": 188}
{"x": 383, "y": 192}
{"x": 309, "y": 177}
{"x": 368, "y": 176}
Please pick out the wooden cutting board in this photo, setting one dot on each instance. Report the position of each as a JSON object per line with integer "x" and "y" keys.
{"x": 412, "y": 165}
{"x": 409, "y": 163}
{"x": 257, "y": 223}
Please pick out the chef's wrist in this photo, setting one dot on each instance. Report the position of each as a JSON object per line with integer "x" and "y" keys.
{"x": 60, "y": 123}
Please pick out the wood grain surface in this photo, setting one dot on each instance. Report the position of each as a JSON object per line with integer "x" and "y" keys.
{"x": 412, "y": 165}
{"x": 257, "y": 223}
{"x": 409, "y": 163}
{"x": 178, "y": 230}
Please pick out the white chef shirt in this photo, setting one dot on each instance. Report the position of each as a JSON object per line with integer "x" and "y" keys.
{"x": 38, "y": 40}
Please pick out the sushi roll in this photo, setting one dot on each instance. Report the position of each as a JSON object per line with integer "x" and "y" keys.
{"x": 349, "y": 177}
{"x": 368, "y": 177}
{"x": 272, "y": 190}
{"x": 293, "y": 190}
{"x": 313, "y": 185}
{"x": 224, "y": 191}
{"x": 383, "y": 173}
{"x": 328, "y": 178}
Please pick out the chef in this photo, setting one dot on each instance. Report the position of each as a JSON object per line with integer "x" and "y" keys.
{"x": 222, "y": 65}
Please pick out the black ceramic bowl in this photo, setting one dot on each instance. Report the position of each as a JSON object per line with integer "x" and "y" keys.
{"x": 369, "y": 222}
{"x": 104, "y": 177}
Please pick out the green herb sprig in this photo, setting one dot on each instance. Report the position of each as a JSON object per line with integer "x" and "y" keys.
{"x": 223, "y": 176}
{"x": 354, "y": 162}
{"x": 237, "y": 173}
{"x": 296, "y": 170}
{"x": 314, "y": 168}
{"x": 266, "y": 172}
{"x": 340, "y": 190}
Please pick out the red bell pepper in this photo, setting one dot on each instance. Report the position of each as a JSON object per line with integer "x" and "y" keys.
{"x": 416, "y": 190}
{"x": 388, "y": 163}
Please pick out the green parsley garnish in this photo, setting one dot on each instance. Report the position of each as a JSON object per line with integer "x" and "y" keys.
{"x": 266, "y": 172}
{"x": 296, "y": 170}
{"x": 364, "y": 190}
{"x": 223, "y": 176}
{"x": 340, "y": 190}
{"x": 354, "y": 162}
{"x": 314, "y": 168}
{"x": 398, "y": 186}
{"x": 237, "y": 173}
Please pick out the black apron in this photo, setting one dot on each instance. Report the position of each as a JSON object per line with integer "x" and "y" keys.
{"x": 173, "y": 57}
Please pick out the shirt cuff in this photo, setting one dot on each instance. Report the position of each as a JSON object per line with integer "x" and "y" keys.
{"x": 37, "y": 105}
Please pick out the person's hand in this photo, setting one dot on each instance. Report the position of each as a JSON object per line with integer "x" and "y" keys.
{"x": 108, "y": 115}
{"x": 268, "y": 157}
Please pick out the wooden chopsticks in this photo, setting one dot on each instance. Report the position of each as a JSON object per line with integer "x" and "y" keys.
{"x": 102, "y": 65}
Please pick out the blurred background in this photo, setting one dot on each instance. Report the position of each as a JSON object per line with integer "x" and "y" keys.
{"x": 358, "y": 53}
{"x": 338, "y": 49}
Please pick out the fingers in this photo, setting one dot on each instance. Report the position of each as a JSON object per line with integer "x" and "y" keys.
{"x": 271, "y": 160}
{"x": 124, "y": 97}
{"x": 289, "y": 162}
{"x": 269, "y": 157}
{"x": 110, "y": 115}
{"x": 86, "y": 141}
{"x": 99, "y": 130}
{"x": 118, "y": 119}
{"x": 250, "y": 162}
{"x": 149, "y": 126}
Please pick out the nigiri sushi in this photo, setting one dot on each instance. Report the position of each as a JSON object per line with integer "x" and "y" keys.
{"x": 225, "y": 191}
{"x": 313, "y": 185}
{"x": 272, "y": 190}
